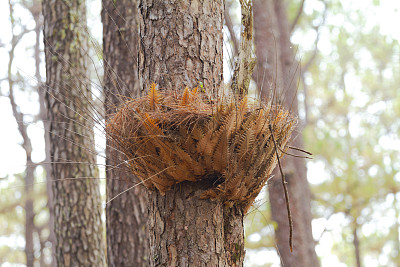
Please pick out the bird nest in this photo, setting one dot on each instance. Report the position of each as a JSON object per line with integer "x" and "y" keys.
{"x": 169, "y": 138}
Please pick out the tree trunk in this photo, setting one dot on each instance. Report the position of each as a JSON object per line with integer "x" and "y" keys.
{"x": 29, "y": 172}
{"x": 181, "y": 45}
{"x": 356, "y": 243}
{"x": 188, "y": 231}
{"x": 29, "y": 212}
{"x": 396, "y": 257}
{"x": 294, "y": 168}
{"x": 127, "y": 241}
{"x": 77, "y": 205}
{"x": 27, "y": 146}
{"x": 35, "y": 11}
{"x": 266, "y": 38}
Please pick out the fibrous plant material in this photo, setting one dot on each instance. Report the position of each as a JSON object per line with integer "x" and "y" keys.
{"x": 169, "y": 138}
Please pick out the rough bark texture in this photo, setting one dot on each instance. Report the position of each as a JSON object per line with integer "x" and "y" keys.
{"x": 127, "y": 241}
{"x": 245, "y": 63}
{"x": 294, "y": 168}
{"x": 181, "y": 45}
{"x": 77, "y": 204}
{"x": 188, "y": 231}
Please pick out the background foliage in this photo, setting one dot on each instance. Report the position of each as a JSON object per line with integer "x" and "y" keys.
{"x": 350, "y": 91}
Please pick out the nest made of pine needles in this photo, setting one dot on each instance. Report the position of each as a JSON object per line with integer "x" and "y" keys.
{"x": 169, "y": 138}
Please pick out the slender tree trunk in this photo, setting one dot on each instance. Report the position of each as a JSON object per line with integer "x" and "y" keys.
{"x": 356, "y": 243}
{"x": 77, "y": 205}
{"x": 229, "y": 25}
{"x": 294, "y": 168}
{"x": 29, "y": 213}
{"x": 266, "y": 38}
{"x": 127, "y": 241}
{"x": 301, "y": 195}
{"x": 181, "y": 45}
{"x": 36, "y": 13}
{"x": 27, "y": 146}
{"x": 29, "y": 176}
{"x": 396, "y": 226}
{"x": 29, "y": 181}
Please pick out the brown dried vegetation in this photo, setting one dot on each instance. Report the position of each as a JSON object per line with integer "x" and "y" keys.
{"x": 169, "y": 138}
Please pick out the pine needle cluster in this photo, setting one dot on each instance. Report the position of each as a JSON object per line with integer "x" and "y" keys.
{"x": 169, "y": 138}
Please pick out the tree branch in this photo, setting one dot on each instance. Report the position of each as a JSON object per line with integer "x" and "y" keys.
{"x": 298, "y": 15}
{"x": 229, "y": 25}
{"x": 307, "y": 65}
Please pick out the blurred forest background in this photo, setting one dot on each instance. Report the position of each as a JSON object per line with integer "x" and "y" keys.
{"x": 349, "y": 104}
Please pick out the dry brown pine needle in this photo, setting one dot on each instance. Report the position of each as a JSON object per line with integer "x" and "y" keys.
{"x": 193, "y": 138}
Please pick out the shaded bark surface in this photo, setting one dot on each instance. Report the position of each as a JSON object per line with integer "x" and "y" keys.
{"x": 188, "y": 231}
{"x": 127, "y": 241}
{"x": 181, "y": 45}
{"x": 77, "y": 205}
{"x": 294, "y": 168}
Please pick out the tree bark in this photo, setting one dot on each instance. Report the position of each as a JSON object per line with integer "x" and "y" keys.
{"x": 181, "y": 45}
{"x": 29, "y": 174}
{"x": 35, "y": 10}
{"x": 127, "y": 241}
{"x": 77, "y": 205}
{"x": 294, "y": 168}
{"x": 229, "y": 25}
{"x": 266, "y": 38}
{"x": 188, "y": 231}
{"x": 27, "y": 146}
{"x": 356, "y": 243}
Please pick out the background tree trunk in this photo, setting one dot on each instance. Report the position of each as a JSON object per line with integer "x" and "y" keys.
{"x": 26, "y": 145}
{"x": 29, "y": 172}
{"x": 127, "y": 241}
{"x": 181, "y": 45}
{"x": 266, "y": 38}
{"x": 35, "y": 10}
{"x": 356, "y": 243}
{"x": 276, "y": 25}
{"x": 77, "y": 203}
